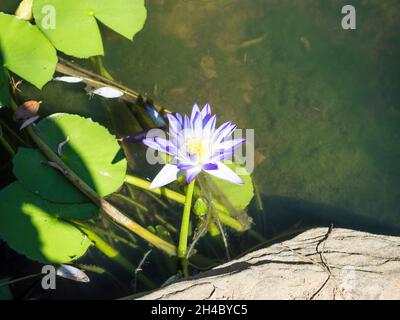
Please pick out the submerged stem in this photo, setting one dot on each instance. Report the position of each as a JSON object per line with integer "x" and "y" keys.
{"x": 223, "y": 215}
{"x": 183, "y": 236}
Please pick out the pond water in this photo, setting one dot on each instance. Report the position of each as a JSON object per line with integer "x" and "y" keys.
{"x": 324, "y": 103}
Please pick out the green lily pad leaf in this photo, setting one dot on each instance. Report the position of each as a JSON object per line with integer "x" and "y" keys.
{"x": 30, "y": 226}
{"x": 33, "y": 172}
{"x": 239, "y": 195}
{"x": 70, "y": 26}
{"x": 26, "y": 50}
{"x": 88, "y": 149}
{"x": 126, "y": 17}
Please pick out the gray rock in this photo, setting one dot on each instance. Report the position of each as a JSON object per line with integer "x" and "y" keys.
{"x": 317, "y": 264}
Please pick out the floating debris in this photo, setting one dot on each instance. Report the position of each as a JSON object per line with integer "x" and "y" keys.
{"x": 306, "y": 43}
{"x": 24, "y": 10}
{"x": 68, "y": 79}
{"x": 252, "y": 42}
{"x": 28, "y": 122}
{"x": 72, "y": 273}
{"x": 27, "y": 110}
{"x": 61, "y": 146}
{"x": 108, "y": 92}
{"x": 207, "y": 64}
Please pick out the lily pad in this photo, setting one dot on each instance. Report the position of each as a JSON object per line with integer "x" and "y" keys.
{"x": 70, "y": 26}
{"x": 75, "y": 30}
{"x": 126, "y": 17}
{"x": 26, "y": 50}
{"x": 239, "y": 195}
{"x": 33, "y": 172}
{"x": 88, "y": 149}
{"x": 30, "y": 226}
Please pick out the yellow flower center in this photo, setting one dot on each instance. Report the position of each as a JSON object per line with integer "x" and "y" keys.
{"x": 197, "y": 147}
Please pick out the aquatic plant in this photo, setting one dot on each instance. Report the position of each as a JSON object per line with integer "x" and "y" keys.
{"x": 195, "y": 145}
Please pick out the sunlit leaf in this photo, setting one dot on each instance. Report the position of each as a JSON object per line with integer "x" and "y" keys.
{"x": 30, "y": 226}
{"x": 72, "y": 28}
{"x": 90, "y": 152}
{"x": 26, "y": 50}
{"x": 239, "y": 195}
{"x": 126, "y": 17}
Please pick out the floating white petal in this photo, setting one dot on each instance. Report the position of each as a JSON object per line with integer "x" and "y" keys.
{"x": 68, "y": 79}
{"x": 72, "y": 273}
{"x": 108, "y": 92}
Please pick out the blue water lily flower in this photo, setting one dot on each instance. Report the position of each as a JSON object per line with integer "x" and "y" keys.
{"x": 195, "y": 145}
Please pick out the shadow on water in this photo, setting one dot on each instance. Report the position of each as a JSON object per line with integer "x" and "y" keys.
{"x": 281, "y": 214}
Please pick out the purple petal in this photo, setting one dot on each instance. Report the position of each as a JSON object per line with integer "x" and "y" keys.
{"x": 191, "y": 174}
{"x": 223, "y": 172}
{"x": 197, "y": 123}
{"x": 206, "y": 111}
{"x": 210, "y": 166}
{"x": 220, "y": 128}
{"x": 179, "y": 118}
{"x": 167, "y": 174}
{"x": 186, "y": 122}
{"x": 221, "y": 155}
{"x": 195, "y": 112}
{"x": 174, "y": 124}
{"x": 185, "y": 166}
{"x": 209, "y": 125}
{"x": 160, "y": 144}
{"x": 225, "y": 132}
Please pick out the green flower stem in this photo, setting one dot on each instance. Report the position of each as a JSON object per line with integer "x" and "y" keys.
{"x": 183, "y": 236}
{"x": 224, "y": 217}
{"x": 143, "y": 184}
{"x": 107, "y": 208}
{"x": 7, "y": 146}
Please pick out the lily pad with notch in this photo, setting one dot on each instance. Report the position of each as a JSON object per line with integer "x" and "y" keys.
{"x": 75, "y": 30}
{"x": 90, "y": 152}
